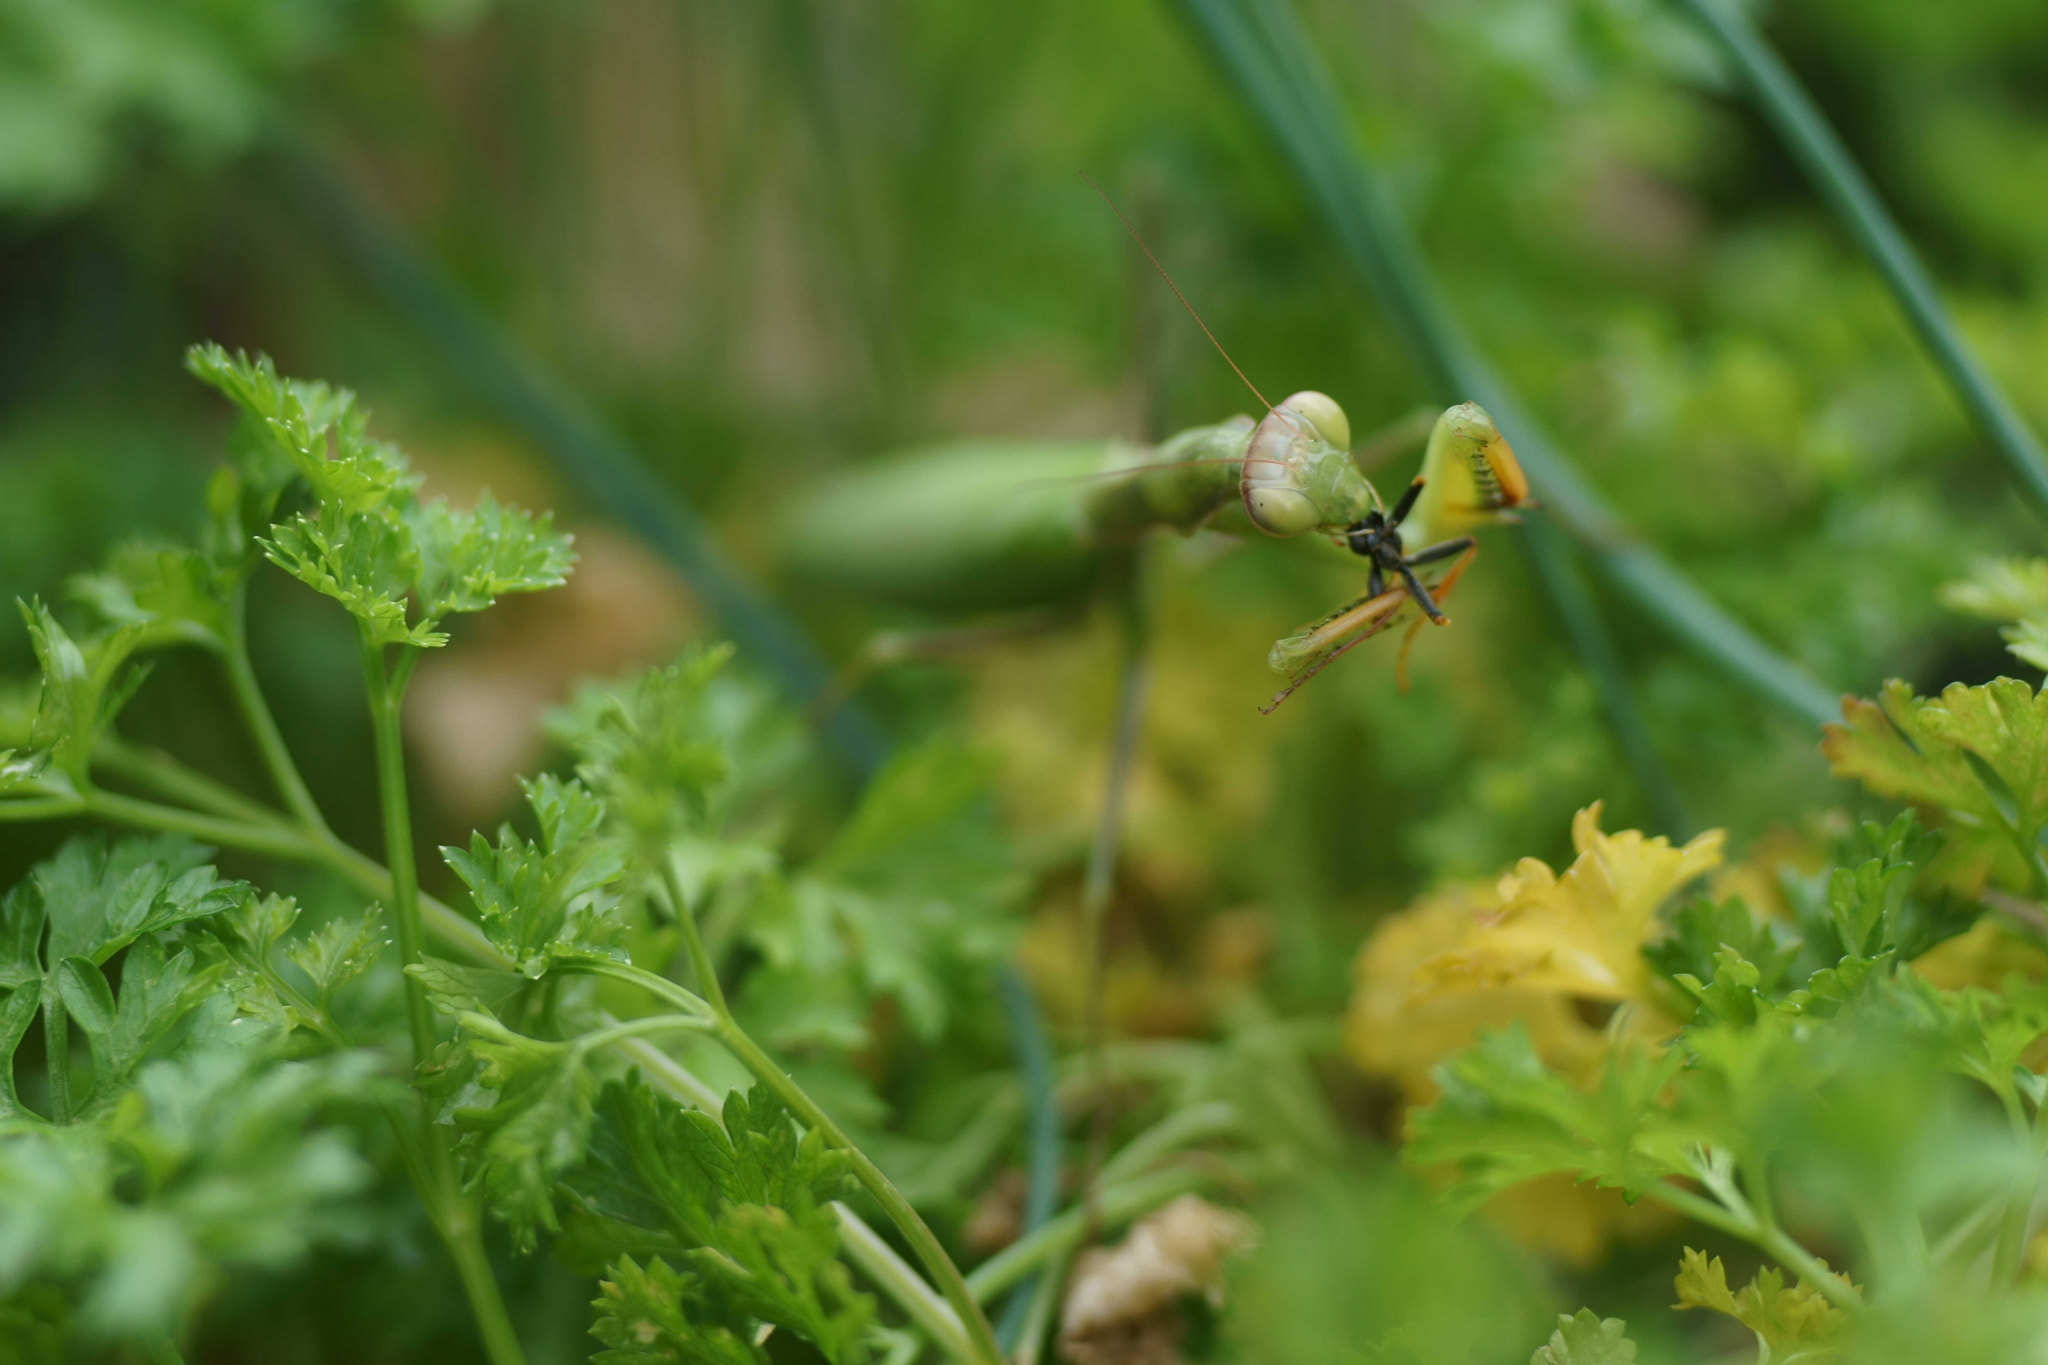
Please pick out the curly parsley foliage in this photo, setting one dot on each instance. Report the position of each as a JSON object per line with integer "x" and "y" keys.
{"x": 550, "y": 897}
{"x": 1585, "y": 1339}
{"x": 739, "y": 1207}
{"x": 196, "y": 1146}
{"x": 397, "y": 565}
{"x": 1975, "y": 758}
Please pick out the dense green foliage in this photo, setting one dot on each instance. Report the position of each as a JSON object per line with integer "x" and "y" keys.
{"x": 695, "y": 1042}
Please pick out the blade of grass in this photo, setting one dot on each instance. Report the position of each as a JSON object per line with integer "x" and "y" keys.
{"x": 1835, "y": 174}
{"x": 1259, "y": 44}
{"x": 596, "y": 462}
{"x": 1429, "y": 329}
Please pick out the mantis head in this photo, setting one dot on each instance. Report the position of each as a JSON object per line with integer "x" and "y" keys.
{"x": 1297, "y": 475}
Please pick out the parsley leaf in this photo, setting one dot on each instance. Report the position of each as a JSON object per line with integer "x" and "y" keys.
{"x": 553, "y": 896}
{"x": 661, "y": 1316}
{"x": 2011, "y": 590}
{"x": 1504, "y": 1117}
{"x": 1977, "y": 756}
{"x": 84, "y": 686}
{"x": 368, "y": 542}
{"x": 1785, "y": 1320}
{"x": 745, "y": 1203}
{"x": 217, "y": 1160}
{"x": 1584, "y": 1339}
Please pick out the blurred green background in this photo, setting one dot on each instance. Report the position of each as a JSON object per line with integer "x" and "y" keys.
{"x": 762, "y": 242}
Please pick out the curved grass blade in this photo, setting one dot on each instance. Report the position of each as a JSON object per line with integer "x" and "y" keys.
{"x": 594, "y": 460}
{"x": 1835, "y": 174}
{"x": 1259, "y": 44}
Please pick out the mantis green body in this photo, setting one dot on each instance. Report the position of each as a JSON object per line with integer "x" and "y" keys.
{"x": 1006, "y": 525}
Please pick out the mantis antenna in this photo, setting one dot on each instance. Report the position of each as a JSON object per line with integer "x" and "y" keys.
{"x": 1176, "y": 290}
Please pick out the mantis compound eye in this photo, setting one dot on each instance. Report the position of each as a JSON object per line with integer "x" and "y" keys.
{"x": 1275, "y": 476}
{"x": 1281, "y": 511}
{"x": 1322, "y": 413}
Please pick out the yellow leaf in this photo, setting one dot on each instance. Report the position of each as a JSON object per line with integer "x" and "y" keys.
{"x": 1400, "y": 1027}
{"x": 1580, "y": 933}
{"x": 1782, "y": 1318}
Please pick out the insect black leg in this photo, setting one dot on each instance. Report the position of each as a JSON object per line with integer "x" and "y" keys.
{"x": 1443, "y": 549}
{"x": 1375, "y": 582}
{"x": 1421, "y": 595}
{"x": 1406, "y": 504}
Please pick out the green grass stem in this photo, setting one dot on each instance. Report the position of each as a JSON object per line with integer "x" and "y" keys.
{"x": 594, "y": 460}
{"x": 1260, "y": 45}
{"x": 1863, "y": 215}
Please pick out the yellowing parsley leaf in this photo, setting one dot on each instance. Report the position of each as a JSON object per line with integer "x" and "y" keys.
{"x": 1584, "y": 1339}
{"x": 1580, "y": 933}
{"x": 1526, "y": 950}
{"x": 1798, "y": 1319}
{"x": 1977, "y": 756}
{"x": 2010, "y": 590}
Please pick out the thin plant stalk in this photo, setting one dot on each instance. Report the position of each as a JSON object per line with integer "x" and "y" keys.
{"x": 1863, "y": 215}
{"x": 262, "y": 725}
{"x": 591, "y": 456}
{"x": 1260, "y": 46}
{"x": 1099, "y": 884}
{"x": 453, "y": 1212}
{"x": 902, "y": 1284}
{"x": 1118, "y": 1202}
{"x": 386, "y": 698}
{"x": 908, "y": 1221}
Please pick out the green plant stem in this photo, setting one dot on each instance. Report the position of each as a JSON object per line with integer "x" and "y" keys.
{"x": 1179, "y": 1129}
{"x": 937, "y": 1263}
{"x": 157, "y": 772}
{"x": 2012, "y": 1227}
{"x": 1038, "y": 1314}
{"x": 1835, "y": 174}
{"x": 907, "y": 1220}
{"x": 464, "y": 1237}
{"x": 256, "y": 714}
{"x": 1125, "y": 574}
{"x": 904, "y": 1285}
{"x": 57, "y": 1057}
{"x": 1066, "y": 1232}
{"x": 693, "y": 938}
{"x": 277, "y": 841}
{"x": 454, "y": 1212}
{"x": 1767, "y": 1236}
{"x": 386, "y": 697}
{"x": 26, "y": 808}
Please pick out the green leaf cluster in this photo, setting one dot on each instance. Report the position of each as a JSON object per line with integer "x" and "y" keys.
{"x": 740, "y": 1208}
{"x": 552, "y": 896}
{"x": 192, "y": 1143}
{"x": 397, "y": 565}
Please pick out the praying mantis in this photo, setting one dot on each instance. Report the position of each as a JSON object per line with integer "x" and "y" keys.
{"x": 1046, "y": 513}
{"x": 898, "y": 529}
